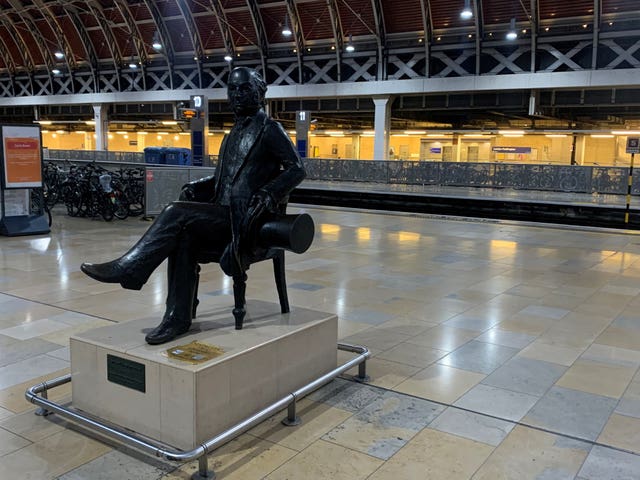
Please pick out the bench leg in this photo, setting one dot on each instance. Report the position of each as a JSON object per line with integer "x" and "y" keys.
{"x": 194, "y": 306}
{"x": 239, "y": 289}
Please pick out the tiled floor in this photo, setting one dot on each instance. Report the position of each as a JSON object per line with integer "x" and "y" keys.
{"x": 501, "y": 351}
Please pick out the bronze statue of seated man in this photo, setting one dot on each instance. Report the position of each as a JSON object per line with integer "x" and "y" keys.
{"x": 258, "y": 167}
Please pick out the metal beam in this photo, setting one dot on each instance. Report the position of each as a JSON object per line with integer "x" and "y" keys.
{"x": 596, "y": 33}
{"x": 256, "y": 18}
{"x": 336, "y": 28}
{"x": 194, "y": 36}
{"x": 296, "y": 26}
{"x": 136, "y": 37}
{"x": 381, "y": 38}
{"x": 427, "y": 25}
{"x": 165, "y": 37}
{"x": 89, "y": 48}
{"x": 116, "y": 55}
{"x": 223, "y": 25}
{"x": 624, "y": 78}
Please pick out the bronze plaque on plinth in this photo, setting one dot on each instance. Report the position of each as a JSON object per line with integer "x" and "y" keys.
{"x": 195, "y": 352}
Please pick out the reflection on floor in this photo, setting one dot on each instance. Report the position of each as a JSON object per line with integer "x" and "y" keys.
{"x": 501, "y": 351}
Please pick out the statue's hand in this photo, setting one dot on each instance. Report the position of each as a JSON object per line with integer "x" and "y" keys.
{"x": 187, "y": 194}
{"x": 261, "y": 201}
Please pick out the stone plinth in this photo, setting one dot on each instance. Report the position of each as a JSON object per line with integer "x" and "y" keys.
{"x": 117, "y": 377}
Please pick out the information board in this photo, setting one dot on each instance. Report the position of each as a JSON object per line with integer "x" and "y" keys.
{"x": 633, "y": 145}
{"x": 21, "y": 156}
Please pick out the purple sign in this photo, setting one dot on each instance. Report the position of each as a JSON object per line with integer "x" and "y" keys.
{"x": 435, "y": 149}
{"x": 511, "y": 149}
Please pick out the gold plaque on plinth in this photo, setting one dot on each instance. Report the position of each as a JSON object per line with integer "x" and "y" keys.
{"x": 194, "y": 352}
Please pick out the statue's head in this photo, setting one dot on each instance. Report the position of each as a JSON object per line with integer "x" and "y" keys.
{"x": 246, "y": 90}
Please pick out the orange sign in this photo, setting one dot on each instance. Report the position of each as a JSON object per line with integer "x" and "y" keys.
{"x": 22, "y": 158}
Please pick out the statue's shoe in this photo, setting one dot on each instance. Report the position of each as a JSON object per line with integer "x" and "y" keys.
{"x": 112, "y": 272}
{"x": 167, "y": 331}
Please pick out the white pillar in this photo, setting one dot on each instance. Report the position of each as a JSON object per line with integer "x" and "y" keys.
{"x": 382, "y": 125}
{"x": 102, "y": 127}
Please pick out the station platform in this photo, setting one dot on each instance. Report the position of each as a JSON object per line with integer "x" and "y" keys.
{"x": 602, "y": 210}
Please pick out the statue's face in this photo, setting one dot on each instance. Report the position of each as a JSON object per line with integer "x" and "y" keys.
{"x": 244, "y": 96}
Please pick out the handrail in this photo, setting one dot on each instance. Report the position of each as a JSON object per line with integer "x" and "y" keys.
{"x": 146, "y": 445}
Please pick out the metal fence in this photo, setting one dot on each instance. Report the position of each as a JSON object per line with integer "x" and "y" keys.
{"x": 561, "y": 178}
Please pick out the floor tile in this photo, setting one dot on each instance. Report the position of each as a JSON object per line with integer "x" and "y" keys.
{"x": 440, "y": 383}
{"x": 435, "y": 455}
{"x": 524, "y": 375}
{"x": 384, "y": 373}
{"x": 412, "y": 354}
{"x": 622, "y": 432}
{"x": 52, "y": 456}
{"x": 497, "y": 402}
{"x": 118, "y": 464}
{"x": 443, "y": 338}
{"x": 324, "y": 460}
{"x": 551, "y": 353}
{"x": 244, "y": 458}
{"x": 506, "y": 338}
{"x": 531, "y": 454}
{"x": 570, "y": 412}
{"x": 346, "y": 395}
{"x": 598, "y": 378}
{"x": 10, "y": 442}
{"x": 478, "y": 357}
{"x": 474, "y": 426}
{"x": 384, "y": 426}
{"x": 24, "y": 370}
{"x": 608, "y": 464}
{"x": 629, "y": 404}
{"x": 316, "y": 420}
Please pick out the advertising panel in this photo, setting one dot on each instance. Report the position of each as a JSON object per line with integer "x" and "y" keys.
{"x": 21, "y": 156}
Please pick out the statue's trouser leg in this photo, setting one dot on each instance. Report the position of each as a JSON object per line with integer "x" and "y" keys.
{"x": 182, "y": 276}
{"x": 205, "y": 224}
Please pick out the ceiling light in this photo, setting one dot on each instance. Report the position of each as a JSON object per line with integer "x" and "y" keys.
{"x": 132, "y": 65}
{"x": 617, "y": 132}
{"x": 512, "y": 34}
{"x": 598, "y": 135}
{"x": 44, "y": 122}
{"x": 55, "y": 71}
{"x": 59, "y": 55}
{"x": 511, "y": 132}
{"x": 350, "y": 48}
{"x": 286, "y": 31}
{"x": 169, "y": 122}
{"x": 228, "y": 57}
{"x": 466, "y": 12}
{"x": 156, "y": 44}
{"x": 555, "y": 135}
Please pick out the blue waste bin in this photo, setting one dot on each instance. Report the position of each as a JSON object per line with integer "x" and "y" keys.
{"x": 177, "y": 156}
{"x": 155, "y": 155}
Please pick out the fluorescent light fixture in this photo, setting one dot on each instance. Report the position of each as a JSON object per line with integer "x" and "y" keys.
{"x": 625, "y": 132}
{"x": 163, "y": 133}
{"x": 55, "y": 71}
{"x": 169, "y": 122}
{"x": 513, "y": 135}
{"x": 133, "y": 65}
{"x": 143, "y": 133}
{"x": 121, "y": 132}
{"x": 555, "y": 135}
{"x": 368, "y": 132}
{"x": 228, "y": 57}
{"x": 438, "y": 135}
{"x": 90, "y": 122}
{"x": 61, "y": 131}
{"x": 334, "y": 132}
{"x": 59, "y": 55}
{"x": 466, "y": 12}
{"x": 45, "y": 122}
{"x": 512, "y": 34}
{"x": 156, "y": 45}
{"x": 184, "y": 133}
{"x": 475, "y": 135}
{"x": 415, "y": 132}
{"x": 601, "y": 135}
{"x": 82, "y": 132}
{"x": 511, "y": 132}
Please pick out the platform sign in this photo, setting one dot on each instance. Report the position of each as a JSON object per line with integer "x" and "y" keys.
{"x": 21, "y": 156}
{"x": 633, "y": 145}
